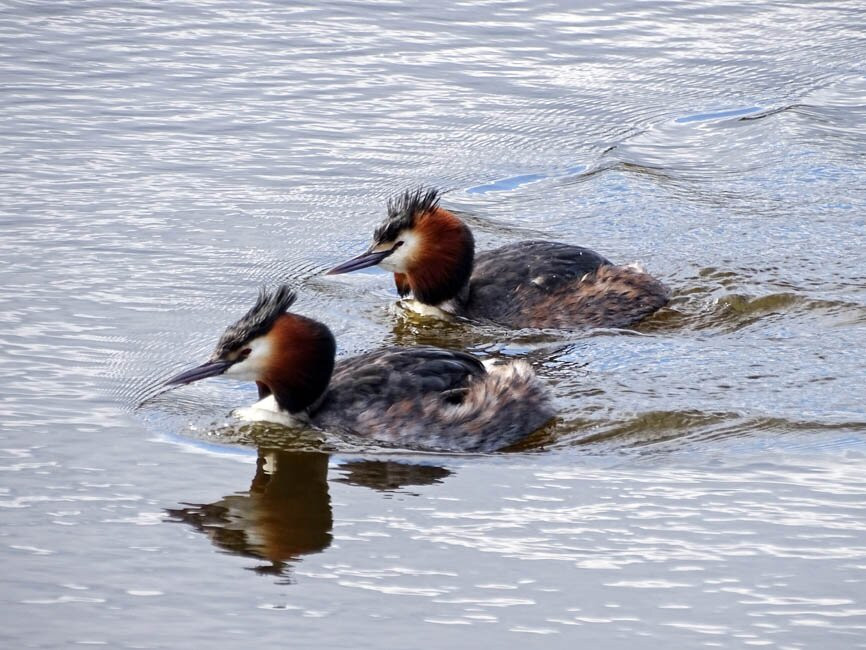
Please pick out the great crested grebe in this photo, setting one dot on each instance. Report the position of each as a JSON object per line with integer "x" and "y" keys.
{"x": 526, "y": 284}
{"x": 420, "y": 397}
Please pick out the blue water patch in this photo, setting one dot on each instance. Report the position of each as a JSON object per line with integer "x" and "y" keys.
{"x": 506, "y": 184}
{"x": 718, "y": 115}
{"x": 514, "y": 182}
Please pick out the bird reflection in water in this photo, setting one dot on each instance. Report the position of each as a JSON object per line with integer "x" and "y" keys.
{"x": 390, "y": 475}
{"x": 286, "y": 513}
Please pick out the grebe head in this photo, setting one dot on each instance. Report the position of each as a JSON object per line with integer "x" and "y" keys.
{"x": 429, "y": 250}
{"x": 287, "y": 355}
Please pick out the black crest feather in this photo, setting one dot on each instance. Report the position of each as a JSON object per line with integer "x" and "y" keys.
{"x": 402, "y": 210}
{"x": 269, "y": 306}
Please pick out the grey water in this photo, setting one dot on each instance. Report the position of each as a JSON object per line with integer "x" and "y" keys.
{"x": 704, "y": 482}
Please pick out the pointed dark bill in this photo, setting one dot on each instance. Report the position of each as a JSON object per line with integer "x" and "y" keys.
{"x": 209, "y": 369}
{"x": 362, "y": 261}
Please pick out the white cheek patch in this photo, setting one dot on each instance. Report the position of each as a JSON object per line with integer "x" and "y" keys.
{"x": 398, "y": 261}
{"x": 254, "y": 366}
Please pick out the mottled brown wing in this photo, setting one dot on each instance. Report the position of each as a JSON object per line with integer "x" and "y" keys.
{"x": 612, "y": 296}
{"x": 379, "y": 379}
{"x": 534, "y": 268}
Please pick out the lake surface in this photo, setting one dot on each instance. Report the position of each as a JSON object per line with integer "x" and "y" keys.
{"x": 705, "y": 481}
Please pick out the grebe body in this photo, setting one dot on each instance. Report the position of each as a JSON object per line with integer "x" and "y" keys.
{"x": 417, "y": 397}
{"x": 532, "y": 283}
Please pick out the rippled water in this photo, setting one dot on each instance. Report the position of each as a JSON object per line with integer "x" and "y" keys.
{"x": 704, "y": 482}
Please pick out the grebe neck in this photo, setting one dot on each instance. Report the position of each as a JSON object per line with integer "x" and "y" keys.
{"x": 299, "y": 374}
{"x": 441, "y": 270}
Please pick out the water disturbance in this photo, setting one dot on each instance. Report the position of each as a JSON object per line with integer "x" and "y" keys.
{"x": 703, "y": 483}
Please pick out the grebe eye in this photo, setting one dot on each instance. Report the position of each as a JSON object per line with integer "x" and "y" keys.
{"x": 243, "y": 354}
{"x": 397, "y": 245}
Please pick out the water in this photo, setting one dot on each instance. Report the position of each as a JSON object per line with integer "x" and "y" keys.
{"x": 704, "y": 482}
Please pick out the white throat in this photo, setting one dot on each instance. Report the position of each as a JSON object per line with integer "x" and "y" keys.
{"x": 267, "y": 410}
{"x": 443, "y": 311}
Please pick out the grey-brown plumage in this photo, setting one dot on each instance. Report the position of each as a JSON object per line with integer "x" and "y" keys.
{"x": 433, "y": 398}
{"x": 550, "y": 284}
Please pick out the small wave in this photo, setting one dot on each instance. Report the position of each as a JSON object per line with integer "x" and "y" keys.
{"x": 656, "y": 428}
{"x": 724, "y": 300}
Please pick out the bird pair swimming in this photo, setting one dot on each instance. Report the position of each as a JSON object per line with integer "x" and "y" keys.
{"x": 427, "y": 397}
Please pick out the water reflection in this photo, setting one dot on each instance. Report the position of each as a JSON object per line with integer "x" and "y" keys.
{"x": 390, "y": 475}
{"x": 286, "y": 512}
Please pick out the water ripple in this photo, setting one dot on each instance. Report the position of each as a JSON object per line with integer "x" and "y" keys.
{"x": 703, "y": 479}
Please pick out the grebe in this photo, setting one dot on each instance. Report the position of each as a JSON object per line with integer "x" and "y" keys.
{"x": 421, "y": 397}
{"x": 525, "y": 284}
